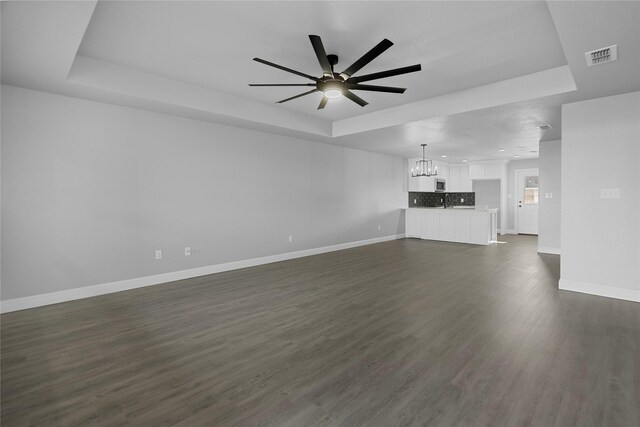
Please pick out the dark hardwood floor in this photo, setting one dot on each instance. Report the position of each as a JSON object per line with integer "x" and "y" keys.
{"x": 406, "y": 332}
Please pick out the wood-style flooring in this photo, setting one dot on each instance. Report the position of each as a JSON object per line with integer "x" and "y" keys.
{"x": 401, "y": 333}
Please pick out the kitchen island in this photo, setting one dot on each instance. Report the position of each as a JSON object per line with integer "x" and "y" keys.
{"x": 454, "y": 224}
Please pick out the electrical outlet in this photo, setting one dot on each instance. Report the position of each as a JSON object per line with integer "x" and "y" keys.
{"x": 548, "y": 195}
{"x": 290, "y": 238}
{"x": 158, "y": 253}
{"x": 415, "y": 201}
{"x": 187, "y": 251}
{"x": 461, "y": 200}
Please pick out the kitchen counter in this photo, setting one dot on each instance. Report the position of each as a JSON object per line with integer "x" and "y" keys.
{"x": 466, "y": 224}
{"x": 465, "y": 208}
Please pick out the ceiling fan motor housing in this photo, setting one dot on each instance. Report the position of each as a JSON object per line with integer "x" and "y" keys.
{"x": 328, "y": 83}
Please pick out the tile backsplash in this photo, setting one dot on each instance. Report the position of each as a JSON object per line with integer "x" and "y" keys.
{"x": 431, "y": 200}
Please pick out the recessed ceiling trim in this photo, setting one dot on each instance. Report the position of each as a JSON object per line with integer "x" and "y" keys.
{"x": 544, "y": 83}
{"x": 150, "y": 87}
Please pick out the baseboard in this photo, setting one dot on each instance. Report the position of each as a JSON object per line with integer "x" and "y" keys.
{"x": 546, "y": 250}
{"x": 600, "y": 290}
{"x": 511, "y": 232}
{"x": 139, "y": 282}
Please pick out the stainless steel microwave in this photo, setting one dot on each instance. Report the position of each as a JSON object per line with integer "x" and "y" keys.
{"x": 440, "y": 185}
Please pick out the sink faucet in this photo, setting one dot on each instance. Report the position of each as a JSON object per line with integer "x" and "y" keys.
{"x": 446, "y": 200}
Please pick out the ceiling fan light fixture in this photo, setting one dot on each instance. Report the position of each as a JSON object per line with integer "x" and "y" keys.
{"x": 334, "y": 85}
{"x": 332, "y": 88}
{"x": 333, "y": 93}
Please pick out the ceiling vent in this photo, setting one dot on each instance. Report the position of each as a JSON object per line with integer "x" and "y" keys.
{"x": 601, "y": 56}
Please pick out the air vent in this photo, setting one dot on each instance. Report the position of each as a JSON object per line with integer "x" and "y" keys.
{"x": 601, "y": 56}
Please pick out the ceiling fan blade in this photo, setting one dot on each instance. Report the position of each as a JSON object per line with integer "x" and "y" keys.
{"x": 366, "y": 58}
{"x": 355, "y": 98}
{"x": 378, "y": 88}
{"x": 289, "y": 70}
{"x": 281, "y": 84}
{"x": 323, "y": 102}
{"x": 388, "y": 73}
{"x": 297, "y": 96}
{"x": 318, "y": 47}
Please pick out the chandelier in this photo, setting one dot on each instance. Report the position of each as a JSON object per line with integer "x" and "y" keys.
{"x": 424, "y": 167}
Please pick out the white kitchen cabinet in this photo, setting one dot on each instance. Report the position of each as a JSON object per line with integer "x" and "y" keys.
{"x": 414, "y": 183}
{"x": 465, "y": 181}
{"x": 478, "y": 230}
{"x": 476, "y": 171}
{"x": 420, "y": 183}
{"x": 431, "y": 224}
{"x": 462, "y": 226}
{"x": 452, "y": 225}
{"x": 413, "y": 223}
{"x": 486, "y": 170}
{"x": 443, "y": 170}
{"x": 459, "y": 181}
{"x": 456, "y": 177}
{"x": 448, "y": 225}
{"x": 453, "y": 183}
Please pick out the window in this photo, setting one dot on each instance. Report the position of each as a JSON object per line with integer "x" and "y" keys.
{"x": 531, "y": 189}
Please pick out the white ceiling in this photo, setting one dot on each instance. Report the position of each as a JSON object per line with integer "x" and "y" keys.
{"x": 492, "y": 71}
{"x": 212, "y": 45}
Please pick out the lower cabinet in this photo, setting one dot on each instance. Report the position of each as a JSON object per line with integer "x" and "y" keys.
{"x": 451, "y": 225}
{"x": 430, "y": 224}
{"x": 413, "y": 223}
{"x": 462, "y": 227}
{"x": 447, "y": 225}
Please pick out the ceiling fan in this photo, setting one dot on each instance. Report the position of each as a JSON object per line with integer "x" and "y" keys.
{"x": 333, "y": 84}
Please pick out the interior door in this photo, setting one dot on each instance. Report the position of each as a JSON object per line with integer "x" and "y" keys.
{"x": 527, "y": 201}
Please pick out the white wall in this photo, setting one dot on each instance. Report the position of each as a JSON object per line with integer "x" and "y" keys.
{"x": 549, "y": 208}
{"x": 488, "y": 194}
{"x": 601, "y": 237}
{"x": 90, "y": 190}
{"x": 511, "y": 190}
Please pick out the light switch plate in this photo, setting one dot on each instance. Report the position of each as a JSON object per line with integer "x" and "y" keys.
{"x": 548, "y": 195}
{"x": 609, "y": 193}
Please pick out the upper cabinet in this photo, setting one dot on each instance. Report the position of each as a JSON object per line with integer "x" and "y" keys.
{"x": 486, "y": 170}
{"x": 453, "y": 183}
{"x": 422, "y": 183}
{"x": 443, "y": 170}
{"x": 425, "y": 183}
{"x": 476, "y": 171}
{"x": 465, "y": 182}
{"x": 459, "y": 181}
{"x": 456, "y": 177}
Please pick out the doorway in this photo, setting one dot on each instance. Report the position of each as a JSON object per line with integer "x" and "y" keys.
{"x": 527, "y": 198}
